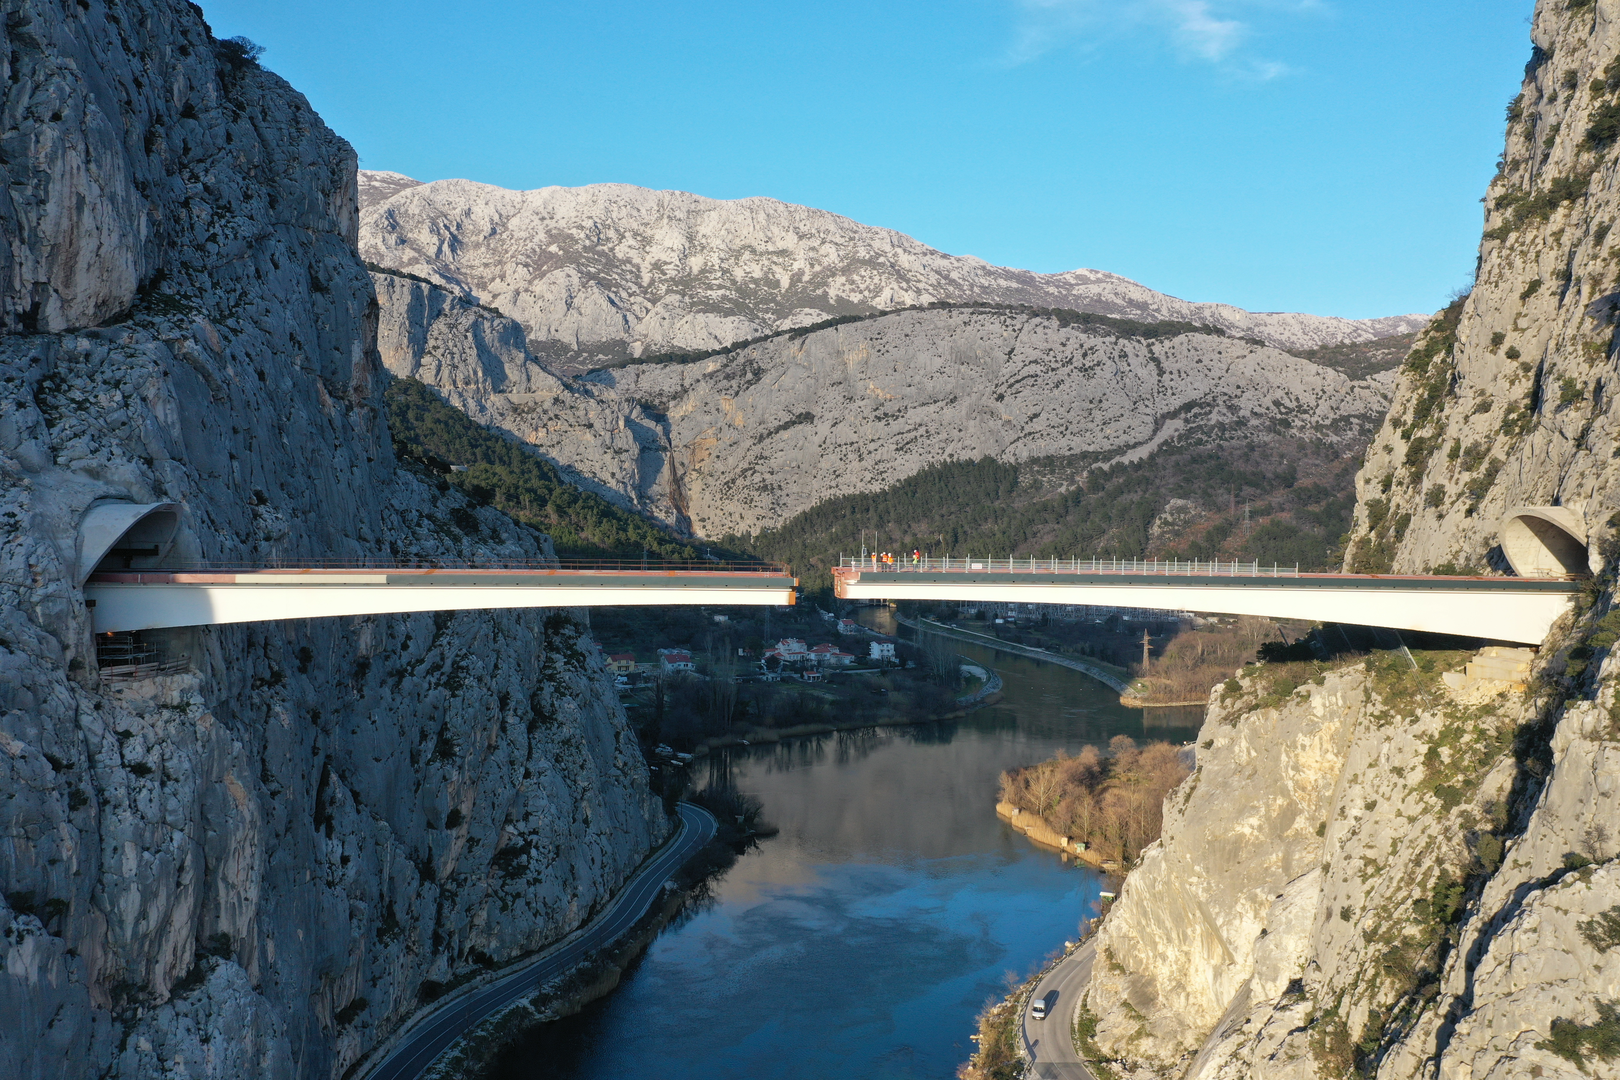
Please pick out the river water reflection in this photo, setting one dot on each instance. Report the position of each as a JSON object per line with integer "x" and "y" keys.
{"x": 862, "y": 940}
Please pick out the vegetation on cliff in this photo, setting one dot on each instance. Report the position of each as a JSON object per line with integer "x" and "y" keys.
{"x": 1062, "y": 316}
{"x": 1196, "y": 659}
{"x": 502, "y": 473}
{"x": 997, "y": 1055}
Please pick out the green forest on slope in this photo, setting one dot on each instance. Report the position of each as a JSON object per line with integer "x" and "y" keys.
{"x": 517, "y": 481}
{"x": 1282, "y": 501}
{"x": 1249, "y": 503}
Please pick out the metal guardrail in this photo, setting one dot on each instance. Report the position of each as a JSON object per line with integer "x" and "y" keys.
{"x": 1157, "y": 567}
{"x": 649, "y": 566}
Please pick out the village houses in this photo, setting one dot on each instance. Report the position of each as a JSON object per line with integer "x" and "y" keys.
{"x": 795, "y": 651}
{"x": 673, "y": 660}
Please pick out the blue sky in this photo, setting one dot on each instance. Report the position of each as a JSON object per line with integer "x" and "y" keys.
{"x": 1296, "y": 155}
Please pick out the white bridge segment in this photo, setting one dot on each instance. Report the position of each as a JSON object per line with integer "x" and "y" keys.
{"x": 150, "y": 600}
{"x": 1500, "y": 609}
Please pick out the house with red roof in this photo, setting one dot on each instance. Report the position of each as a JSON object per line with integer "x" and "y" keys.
{"x": 829, "y": 656}
{"x": 673, "y": 660}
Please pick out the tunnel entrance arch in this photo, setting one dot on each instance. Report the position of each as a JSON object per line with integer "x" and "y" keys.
{"x": 1545, "y": 541}
{"x": 124, "y": 535}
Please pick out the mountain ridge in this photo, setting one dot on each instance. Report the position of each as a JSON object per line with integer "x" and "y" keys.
{"x": 607, "y": 272}
{"x": 745, "y": 439}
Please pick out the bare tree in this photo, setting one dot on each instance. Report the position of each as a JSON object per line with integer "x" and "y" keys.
{"x": 943, "y": 664}
{"x": 1045, "y": 788}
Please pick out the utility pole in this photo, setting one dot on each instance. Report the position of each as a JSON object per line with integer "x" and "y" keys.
{"x": 1145, "y": 643}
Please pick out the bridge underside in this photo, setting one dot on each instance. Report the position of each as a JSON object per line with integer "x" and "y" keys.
{"x": 146, "y": 600}
{"x": 1499, "y": 609}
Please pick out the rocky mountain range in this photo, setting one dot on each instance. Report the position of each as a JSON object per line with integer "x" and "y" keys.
{"x": 606, "y": 272}
{"x": 743, "y": 440}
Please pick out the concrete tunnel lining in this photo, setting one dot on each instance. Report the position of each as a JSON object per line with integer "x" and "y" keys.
{"x": 1545, "y": 541}
{"x": 109, "y": 527}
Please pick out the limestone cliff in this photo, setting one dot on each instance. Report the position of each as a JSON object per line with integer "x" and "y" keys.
{"x": 1508, "y": 400}
{"x": 258, "y": 862}
{"x": 1369, "y": 874}
{"x": 479, "y": 362}
{"x": 610, "y": 271}
{"x": 744, "y": 440}
{"x": 1354, "y": 912}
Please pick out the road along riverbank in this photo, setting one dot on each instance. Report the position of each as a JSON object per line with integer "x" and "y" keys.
{"x": 1049, "y": 1044}
{"x": 414, "y": 1050}
{"x": 988, "y": 641}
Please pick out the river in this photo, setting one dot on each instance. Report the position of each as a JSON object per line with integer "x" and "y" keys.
{"x": 862, "y": 941}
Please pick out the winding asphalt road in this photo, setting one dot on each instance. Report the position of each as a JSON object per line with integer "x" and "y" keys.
{"x": 432, "y": 1034}
{"x": 1050, "y": 1042}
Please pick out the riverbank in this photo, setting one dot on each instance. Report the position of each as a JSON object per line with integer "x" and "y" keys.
{"x": 1039, "y": 832}
{"x": 1133, "y": 701}
{"x": 421, "y": 1044}
{"x": 988, "y": 694}
{"x": 991, "y": 642}
{"x": 593, "y": 978}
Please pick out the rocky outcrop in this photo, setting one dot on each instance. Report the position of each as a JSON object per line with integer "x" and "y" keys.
{"x": 759, "y": 434}
{"x": 744, "y": 440}
{"x": 609, "y": 271}
{"x": 478, "y": 361}
{"x": 1354, "y": 909}
{"x": 474, "y": 356}
{"x": 259, "y": 862}
{"x": 1507, "y": 400}
{"x": 1408, "y": 868}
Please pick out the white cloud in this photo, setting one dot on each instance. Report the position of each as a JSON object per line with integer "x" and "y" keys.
{"x": 1202, "y": 32}
{"x": 1213, "y": 31}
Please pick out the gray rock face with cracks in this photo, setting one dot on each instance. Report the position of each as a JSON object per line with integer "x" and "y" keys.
{"x": 1510, "y": 404}
{"x": 1395, "y": 891}
{"x": 260, "y": 861}
{"x": 744, "y": 440}
{"x": 1412, "y": 885}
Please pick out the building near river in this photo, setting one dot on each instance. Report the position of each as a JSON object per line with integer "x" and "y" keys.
{"x": 790, "y": 650}
{"x": 830, "y": 656}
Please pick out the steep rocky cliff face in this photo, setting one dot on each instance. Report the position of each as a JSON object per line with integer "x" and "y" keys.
{"x": 599, "y": 273}
{"x": 1414, "y": 884}
{"x": 479, "y": 362}
{"x": 1508, "y": 399}
{"x": 259, "y": 862}
{"x": 744, "y": 440}
{"x": 1354, "y": 912}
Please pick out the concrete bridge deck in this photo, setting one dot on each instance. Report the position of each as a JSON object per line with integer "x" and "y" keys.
{"x": 1547, "y": 545}
{"x": 150, "y": 599}
{"x": 1509, "y": 609}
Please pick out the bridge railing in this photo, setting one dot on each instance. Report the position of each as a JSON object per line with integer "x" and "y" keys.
{"x": 293, "y": 564}
{"x": 1030, "y": 564}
